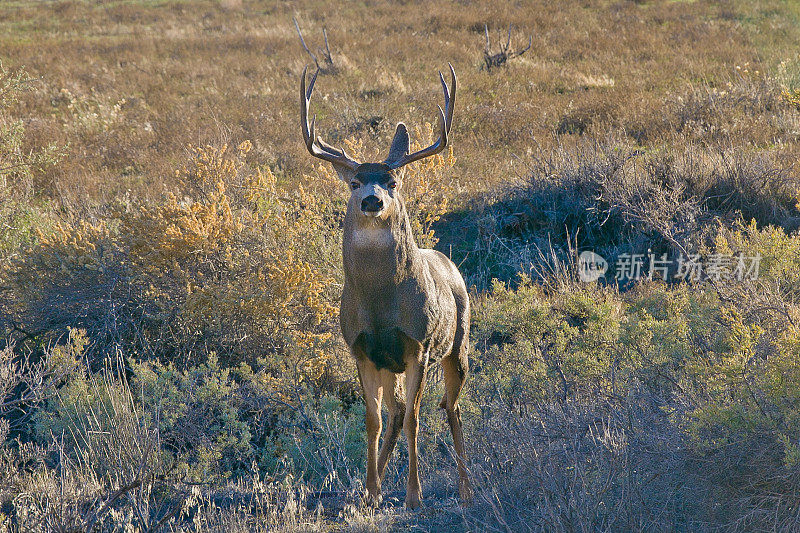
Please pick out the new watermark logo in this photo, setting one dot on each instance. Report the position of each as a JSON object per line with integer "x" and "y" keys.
{"x": 591, "y": 266}
{"x": 635, "y": 267}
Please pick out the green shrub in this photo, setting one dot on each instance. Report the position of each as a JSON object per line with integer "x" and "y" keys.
{"x": 320, "y": 440}
{"x": 198, "y": 413}
{"x": 536, "y": 347}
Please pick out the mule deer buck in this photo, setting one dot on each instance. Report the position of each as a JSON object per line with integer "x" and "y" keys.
{"x": 402, "y": 307}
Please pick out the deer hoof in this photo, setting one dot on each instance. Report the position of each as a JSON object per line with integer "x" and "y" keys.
{"x": 412, "y": 500}
{"x": 372, "y": 500}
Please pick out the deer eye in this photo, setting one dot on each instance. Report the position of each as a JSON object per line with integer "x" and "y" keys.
{"x": 354, "y": 185}
{"x": 392, "y": 184}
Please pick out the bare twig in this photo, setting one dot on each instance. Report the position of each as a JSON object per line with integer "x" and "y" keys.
{"x": 303, "y": 42}
{"x": 326, "y": 54}
{"x": 117, "y": 494}
{"x": 168, "y": 516}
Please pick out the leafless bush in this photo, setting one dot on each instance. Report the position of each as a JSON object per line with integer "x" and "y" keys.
{"x": 104, "y": 468}
{"x": 581, "y": 466}
{"x": 751, "y": 486}
{"x": 610, "y": 198}
{"x": 251, "y": 505}
{"x": 27, "y": 381}
{"x": 324, "y": 53}
{"x": 559, "y": 202}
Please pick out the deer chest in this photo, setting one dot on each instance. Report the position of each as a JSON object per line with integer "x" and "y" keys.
{"x": 385, "y": 348}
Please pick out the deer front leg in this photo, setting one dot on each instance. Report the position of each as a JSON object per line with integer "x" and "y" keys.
{"x": 416, "y": 366}
{"x": 393, "y": 395}
{"x": 373, "y": 391}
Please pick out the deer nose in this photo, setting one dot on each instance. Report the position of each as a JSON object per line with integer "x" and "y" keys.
{"x": 371, "y": 204}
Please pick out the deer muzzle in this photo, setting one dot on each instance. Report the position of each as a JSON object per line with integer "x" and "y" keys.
{"x": 371, "y": 205}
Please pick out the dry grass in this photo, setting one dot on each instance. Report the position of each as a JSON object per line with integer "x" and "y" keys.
{"x": 129, "y": 84}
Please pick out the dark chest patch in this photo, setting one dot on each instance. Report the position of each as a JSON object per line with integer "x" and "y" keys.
{"x": 385, "y": 348}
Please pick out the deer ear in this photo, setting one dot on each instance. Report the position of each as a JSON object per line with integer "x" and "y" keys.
{"x": 400, "y": 144}
{"x": 345, "y": 174}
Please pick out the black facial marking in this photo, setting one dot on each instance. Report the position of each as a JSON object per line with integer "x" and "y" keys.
{"x": 371, "y": 204}
{"x": 378, "y": 173}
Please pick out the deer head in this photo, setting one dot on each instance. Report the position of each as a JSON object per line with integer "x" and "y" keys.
{"x": 375, "y": 186}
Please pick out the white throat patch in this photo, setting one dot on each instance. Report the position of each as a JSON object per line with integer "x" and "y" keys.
{"x": 372, "y": 237}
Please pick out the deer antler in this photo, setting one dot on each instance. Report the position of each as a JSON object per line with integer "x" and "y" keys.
{"x": 325, "y": 53}
{"x": 445, "y": 121}
{"x": 317, "y": 147}
{"x": 523, "y": 50}
{"x": 508, "y": 41}
{"x": 496, "y": 60}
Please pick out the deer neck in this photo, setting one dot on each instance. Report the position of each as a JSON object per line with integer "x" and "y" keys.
{"x": 378, "y": 253}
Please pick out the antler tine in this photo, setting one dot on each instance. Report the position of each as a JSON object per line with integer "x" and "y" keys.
{"x": 449, "y": 94}
{"x": 303, "y": 42}
{"x": 312, "y": 136}
{"x": 305, "y": 98}
{"x": 445, "y": 122}
{"x": 304, "y": 105}
{"x": 445, "y": 90}
{"x": 327, "y": 51}
{"x": 444, "y": 127}
{"x": 311, "y": 85}
{"x": 315, "y": 146}
{"x": 530, "y": 42}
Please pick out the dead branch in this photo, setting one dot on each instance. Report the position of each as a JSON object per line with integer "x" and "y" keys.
{"x": 92, "y": 519}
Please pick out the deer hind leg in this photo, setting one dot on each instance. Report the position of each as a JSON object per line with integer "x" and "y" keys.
{"x": 396, "y": 405}
{"x": 455, "y": 375}
{"x": 373, "y": 391}
{"x": 416, "y": 366}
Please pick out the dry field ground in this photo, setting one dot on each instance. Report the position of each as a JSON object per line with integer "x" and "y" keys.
{"x": 128, "y": 85}
{"x": 170, "y": 267}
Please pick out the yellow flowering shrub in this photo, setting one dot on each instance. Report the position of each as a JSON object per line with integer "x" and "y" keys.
{"x": 427, "y": 190}
{"x": 207, "y": 270}
{"x": 230, "y": 263}
{"x": 792, "y": 97}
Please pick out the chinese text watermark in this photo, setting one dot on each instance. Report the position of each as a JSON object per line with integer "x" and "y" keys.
{"x": 694, "y": 267}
